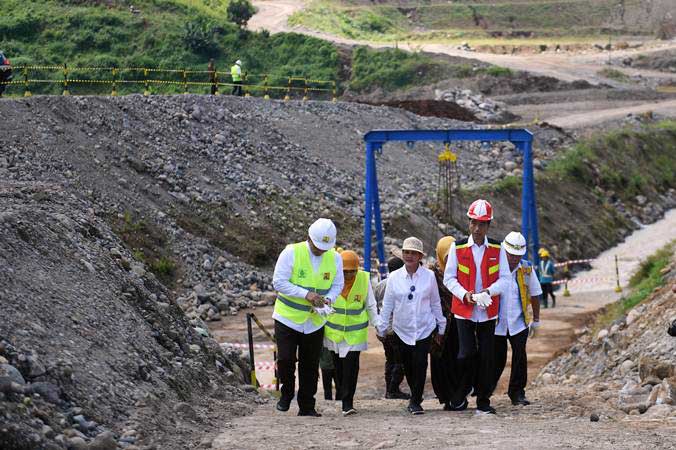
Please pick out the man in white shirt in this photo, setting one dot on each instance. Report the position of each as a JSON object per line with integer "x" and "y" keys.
{"x": 412, "y": 305}
{"x": 473, "y": 267}
{"x": 514, "y": 322}
{"x": 308, "y": 275}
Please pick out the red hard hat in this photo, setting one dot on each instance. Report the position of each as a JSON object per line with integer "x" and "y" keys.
{"x": 480, "y": 210}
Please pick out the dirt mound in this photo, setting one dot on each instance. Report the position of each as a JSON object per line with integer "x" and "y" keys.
{"x": 432, "y": 108}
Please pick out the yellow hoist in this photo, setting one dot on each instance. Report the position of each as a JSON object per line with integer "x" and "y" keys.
{"x": 448, "y": 183}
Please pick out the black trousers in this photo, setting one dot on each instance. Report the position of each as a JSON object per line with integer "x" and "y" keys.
{"x": 444, "y": 364}
{"x": 237, "y": 88}
{"x": 414, "y": 358}
{"x": 394, "y": 369}
{"x": 476, "y": 361}
{"x": 548, "y": 289}
{"x": 328, "y": 378}
{"x": 518, "y": 376}
{"x": 347, "y": 372}
{"x": 308, "y": 347}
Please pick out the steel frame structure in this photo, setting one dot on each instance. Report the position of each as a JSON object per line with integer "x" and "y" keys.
{"x": 521, "y": 138}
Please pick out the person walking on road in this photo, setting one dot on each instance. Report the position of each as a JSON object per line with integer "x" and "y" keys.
{"x": 5, "y": 72}
{"x": 474, "y": 265}
{"x": 307, "y": 277}
{"x": 236, "y": 73}
{"x": 546, "y": 271}
{"x": 411, "y": 304}
{"x": 394, "y": 369}
{"x": 515, "y": 322}
{"x": 346, "y": 329}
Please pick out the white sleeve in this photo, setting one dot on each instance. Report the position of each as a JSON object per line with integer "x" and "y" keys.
{"x": 451, "y": 275}
{"x": 388, "y": 307}
{"x": 534, "y": 285}
{"x": 282, "y": 275}
{"x": 435, "y": 305}
{"x": 372, "y": 308}
{"x": 502, "y": 283}
{"x": 338, "y": 281}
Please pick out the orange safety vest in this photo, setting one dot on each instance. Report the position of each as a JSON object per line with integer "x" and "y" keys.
{"x": 490, "y": 272}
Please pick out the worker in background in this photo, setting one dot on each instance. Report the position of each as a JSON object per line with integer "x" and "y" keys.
{"x": 473, "y": 266}
{"x": 346, "y": 329}
{"x": 236, "y": 73}
{"x": 5, "y": 72}
{"x": 515, "y": 321}
{"x": 328, "y": 375}
{"x": 443, "y": 359}
{"x": 307, "y": 277}
{"x": 211, "y": 69}
{"x": 546, "y": 272}
{"x": 411, "y": 304}
{"x": 394, "y": 369}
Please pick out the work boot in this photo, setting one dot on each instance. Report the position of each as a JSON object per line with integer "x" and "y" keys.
{"x": 488, "y": 409}
{"x": 415, "y": 409}
{"x": 519, "y": 399}
{"x": 399, "y": 395}
{"x": 283, "y": 405}
{"x": 309, "y": 413}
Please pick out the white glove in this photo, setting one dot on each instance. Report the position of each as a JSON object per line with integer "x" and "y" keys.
{"x": 534, "y": 325}
{"x": 483, "y": 299}
{"x": 324, "y": 311}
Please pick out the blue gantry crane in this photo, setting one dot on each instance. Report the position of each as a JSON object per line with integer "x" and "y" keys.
{"x": 521, "y": 138}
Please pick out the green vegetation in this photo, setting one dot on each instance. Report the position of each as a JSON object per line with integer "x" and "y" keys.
{"x": 164, "y": 34}
{"x": 614, "y": 74}
{"x": 648, "y": 277}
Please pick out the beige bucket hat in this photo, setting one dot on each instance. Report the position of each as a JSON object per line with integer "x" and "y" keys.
{"x": 414, "y": 244}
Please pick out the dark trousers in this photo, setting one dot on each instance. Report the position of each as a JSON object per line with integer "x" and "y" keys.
{"x": 237, "y": 88}
{"x": 328, "y": 378}
{"x": 476, "y": 361}
{"x": 308, "y": 347}
{"x": 414, "y": 358}
{"x": 518, "y": 376}
{"x": 444, "y": 364}
{"x": 548, "y": 289}
{"x": 347, "y": 372}
{"x": 394, "y": 369}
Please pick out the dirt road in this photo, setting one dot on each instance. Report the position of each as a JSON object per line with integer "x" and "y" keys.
{"x": 384, "y": 423}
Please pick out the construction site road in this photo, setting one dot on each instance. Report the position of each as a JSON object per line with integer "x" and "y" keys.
{"x": 547, "y": 423}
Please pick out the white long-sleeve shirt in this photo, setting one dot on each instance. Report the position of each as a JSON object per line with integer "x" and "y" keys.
{"x": 281, "y": 283}
{"x": 511, "y": 312}
{"x": 453, "y": 285}
{"x": 416, "y": 318}
{"x": 343, "y": 347}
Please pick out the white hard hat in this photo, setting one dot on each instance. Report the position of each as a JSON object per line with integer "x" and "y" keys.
{"x": 238, "y": 62}
{"x": 323, "y": 234}
{"x": 515, "y": 243}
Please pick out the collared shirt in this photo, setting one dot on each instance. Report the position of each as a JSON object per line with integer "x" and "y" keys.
{"x": 341, "y": 348}
{"x": 412, "y": 319}
{"x": 510, "y": 318}
{"x": 281, "y": 283}
{"x": 453, "y": 285}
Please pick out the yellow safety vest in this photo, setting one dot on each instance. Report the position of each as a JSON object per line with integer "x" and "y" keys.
{"x": 298, "y": 309}
{"x": 236, "y": 73}
{"x": 523, "y": 274}
{"x": 350, "y": 321}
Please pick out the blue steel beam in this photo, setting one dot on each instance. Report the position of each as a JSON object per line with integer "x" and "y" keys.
{"x": 513, "y": 135}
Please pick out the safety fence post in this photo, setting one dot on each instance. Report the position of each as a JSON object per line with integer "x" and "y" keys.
{"x": 618, "y": 288}
{"x": 246, "y": 85}
{"x": 254, "y": 379}
{"x": 65, "y": 79}
{"x": 114, "y": 91}
{"x": 334, "y": 99}
{"x": 287, "y": 97}
{"x": 26, "y": 92}
{"x": 305, "y": 97}
{"x": 185, "y": 81}
{"x": 251, "y": 350}
{"x": 265, "y": 88}
{"x": 146, "y": 91}
{"x": 566, "y": 274}
{"x": 215, "y": 83}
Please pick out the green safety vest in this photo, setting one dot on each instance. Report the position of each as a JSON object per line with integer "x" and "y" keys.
{"x": 236, "y": 73}
{"x": 298, "y": 309}
{"x": 350, "y": 321}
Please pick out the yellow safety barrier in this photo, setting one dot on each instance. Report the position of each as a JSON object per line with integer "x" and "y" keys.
{"x": 74, "y": 78}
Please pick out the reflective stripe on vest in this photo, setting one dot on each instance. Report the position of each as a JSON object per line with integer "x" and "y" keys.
{"x": 522, "y": 279}
{"x": 350, "y": 322}
{"x": 466, "y": 275}
{"x": 298, "y": 309}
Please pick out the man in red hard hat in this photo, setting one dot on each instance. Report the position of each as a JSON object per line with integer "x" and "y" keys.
{"x": 473, "y": 266}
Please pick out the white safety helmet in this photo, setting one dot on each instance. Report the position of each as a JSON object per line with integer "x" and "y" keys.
{"x": 515, "y": 243}
{"x": 238, "y": 62}
{"x": 323, "y": 234}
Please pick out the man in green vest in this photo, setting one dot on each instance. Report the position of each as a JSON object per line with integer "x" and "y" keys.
{"x": 308, "y": 276}
{"x": 236, "y": 73}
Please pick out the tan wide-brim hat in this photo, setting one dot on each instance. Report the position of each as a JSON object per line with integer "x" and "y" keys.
{"x": 413, "y": 244}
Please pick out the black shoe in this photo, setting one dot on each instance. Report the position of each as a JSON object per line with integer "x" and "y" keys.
{"x": 447, "y": 406}
{"x": 283, "y": 406}
{"x": 397, "y": 395}
{"x": 520, "y": 400}
{"x": 486, "y": 410}
{"x": 461, "y": 407}
{"x": 310, "y": 413}
{"x": 415, "y": 410}
{"x": 349, "y": 412}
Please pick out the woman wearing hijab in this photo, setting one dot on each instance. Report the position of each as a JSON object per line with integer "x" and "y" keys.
{"x": 443, "y": 366}
{"x": 346, "y": 330}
